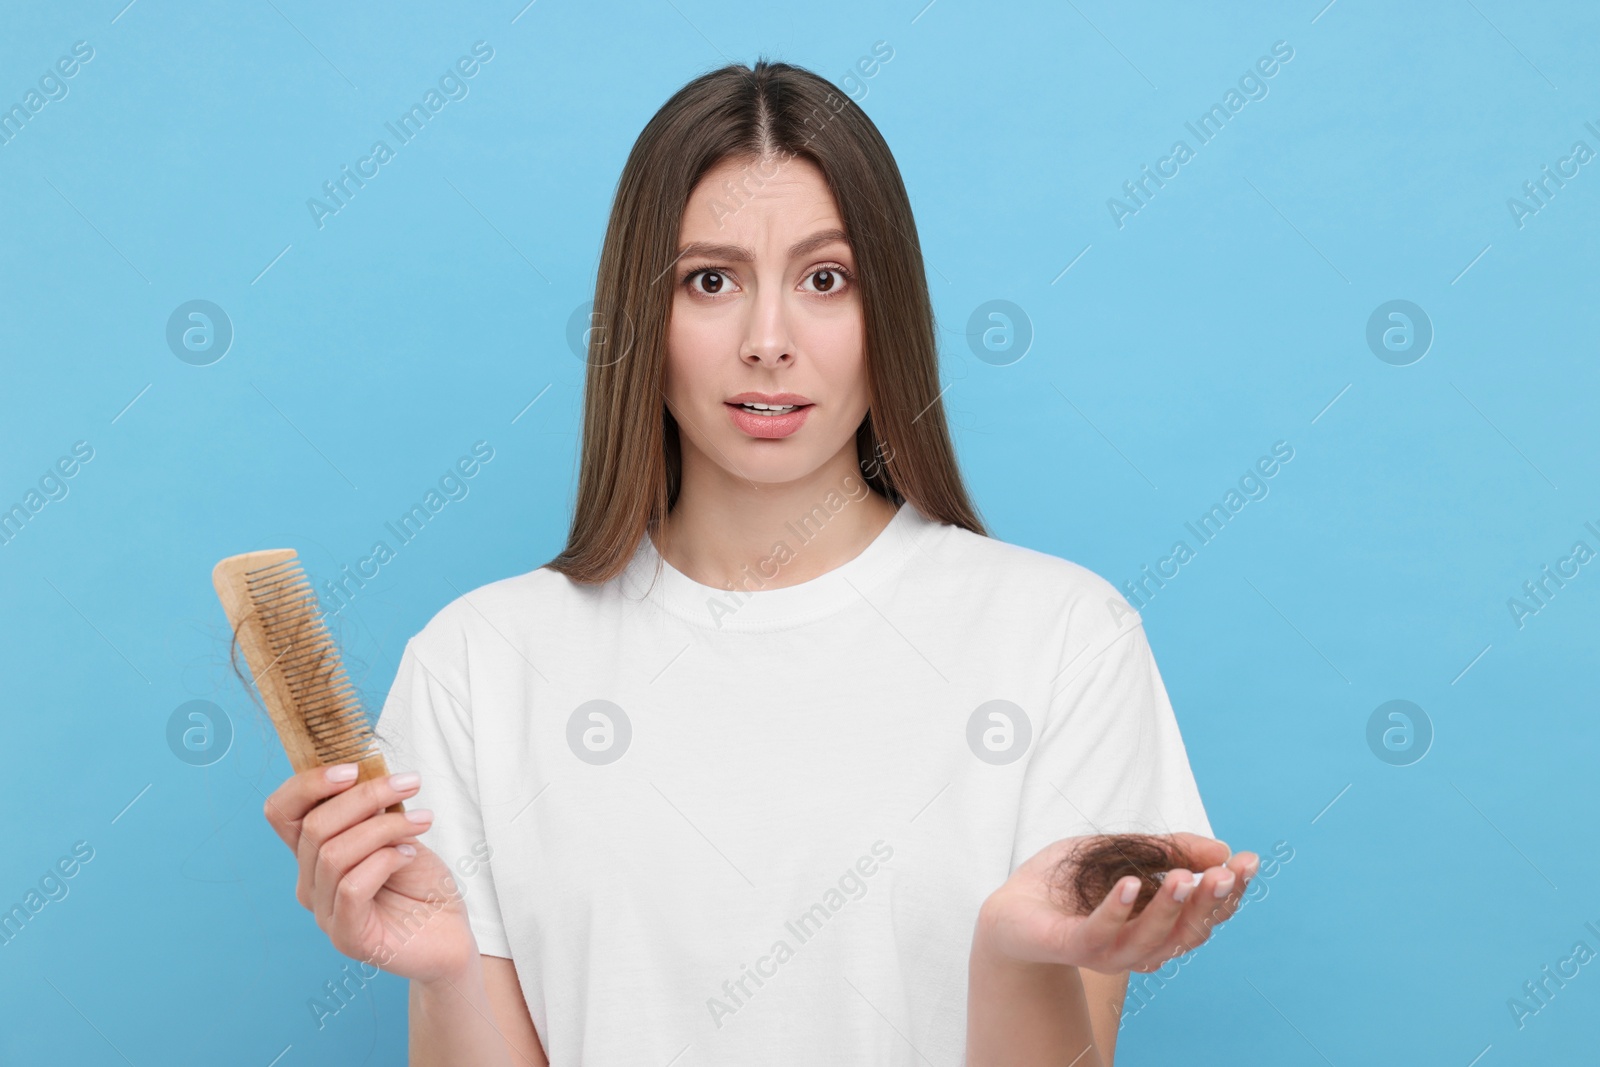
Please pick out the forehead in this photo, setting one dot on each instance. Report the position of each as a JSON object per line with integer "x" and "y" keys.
{"x": 749, "y": 201}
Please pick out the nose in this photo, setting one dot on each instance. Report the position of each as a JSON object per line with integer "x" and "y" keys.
{"x": 767, "y": 340}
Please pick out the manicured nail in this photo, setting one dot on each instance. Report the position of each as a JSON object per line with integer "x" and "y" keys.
{"x": 341, "y": 772}
{"x": 1130, "y": 889}
{"x": 1224, "y": 887}
{"x": 406, "y": 850}
{"x": 419, "y": 815}
{"x": 402, "y": 782}
{"x": 1185, "y": 886}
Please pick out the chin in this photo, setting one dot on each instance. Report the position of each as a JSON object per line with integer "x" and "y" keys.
{"x": 771, "y": 469}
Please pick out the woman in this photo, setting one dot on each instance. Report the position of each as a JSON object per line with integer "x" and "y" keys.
{"x": 774, "y": 762}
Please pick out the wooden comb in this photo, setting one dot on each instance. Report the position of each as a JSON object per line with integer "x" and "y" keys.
{"x": 295, "y": 664}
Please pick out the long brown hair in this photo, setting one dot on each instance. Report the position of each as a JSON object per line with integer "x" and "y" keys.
{"x": 630, "y": 467}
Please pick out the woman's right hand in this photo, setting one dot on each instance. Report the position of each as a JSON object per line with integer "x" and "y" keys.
{"x": 380, "y": 895}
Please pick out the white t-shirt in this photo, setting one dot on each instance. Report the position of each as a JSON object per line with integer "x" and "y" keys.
{"x": 749, "y": 828}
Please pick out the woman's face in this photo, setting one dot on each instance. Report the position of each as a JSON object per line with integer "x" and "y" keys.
{"x": 765, "y": 309}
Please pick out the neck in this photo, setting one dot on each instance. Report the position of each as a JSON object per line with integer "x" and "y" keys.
{"x": 724, "y": 529}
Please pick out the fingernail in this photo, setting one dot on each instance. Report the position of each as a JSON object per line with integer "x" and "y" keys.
{"x": 402, "y": 782}
{"x": 341, "y": 772}
{"x": 1181, "y": 893}
{"x": 406, "y": 850}
{"x": 1130, "y": 889}
{"x": 1225, "y": 886}
{"x": 419, "y": 815}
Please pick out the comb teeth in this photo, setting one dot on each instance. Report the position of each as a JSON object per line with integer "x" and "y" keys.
{"x": 302, "y": 650}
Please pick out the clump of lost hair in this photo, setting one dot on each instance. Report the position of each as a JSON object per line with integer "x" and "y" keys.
{"x": 1096, "y": 864}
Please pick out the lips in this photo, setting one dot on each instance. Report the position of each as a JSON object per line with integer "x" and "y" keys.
{"x": 768, "y": 426}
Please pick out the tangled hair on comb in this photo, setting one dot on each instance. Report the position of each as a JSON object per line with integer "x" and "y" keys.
{"x": 327, "y": 661}
{"x": 233, "y": 662}
{"x": 1095, "y": 864}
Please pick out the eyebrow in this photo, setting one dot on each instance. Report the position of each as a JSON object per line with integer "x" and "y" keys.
{"x": 741, "y": 254}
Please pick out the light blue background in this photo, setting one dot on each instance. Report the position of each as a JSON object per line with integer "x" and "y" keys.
{"x": 1228, "y": 314}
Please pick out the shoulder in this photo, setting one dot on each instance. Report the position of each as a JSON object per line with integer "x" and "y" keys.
{"x": 1040, "y": 583}
{"x": 506, "y": 610}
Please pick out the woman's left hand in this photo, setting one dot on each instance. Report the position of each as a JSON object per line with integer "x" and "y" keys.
{"x": 1022, "y": 921}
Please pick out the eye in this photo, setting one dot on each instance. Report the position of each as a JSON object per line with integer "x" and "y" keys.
{"x": 830, "y": 281}
{"x": 715, "y": 280}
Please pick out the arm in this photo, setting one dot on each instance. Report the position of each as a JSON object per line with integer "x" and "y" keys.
{"x": 1005, "y": 1005}
{"x": 1106, "y": 994}
{"x": 479, "y": 1017}
{"x": 1021, "y": 1013}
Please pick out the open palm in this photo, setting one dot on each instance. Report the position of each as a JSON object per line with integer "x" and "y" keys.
{"x": 1024, "y": 920}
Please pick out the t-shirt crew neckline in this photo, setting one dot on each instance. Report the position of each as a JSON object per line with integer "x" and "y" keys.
{"x": 766, "y": 609}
